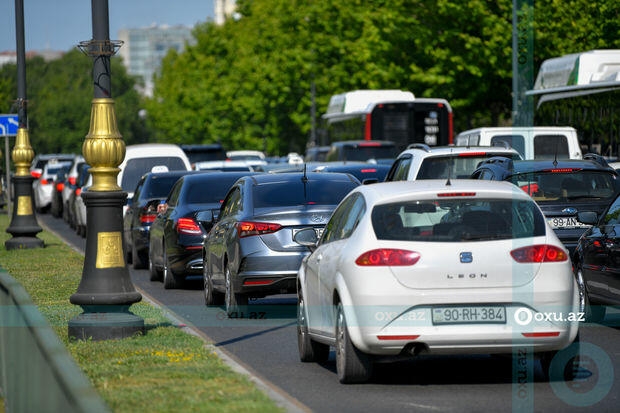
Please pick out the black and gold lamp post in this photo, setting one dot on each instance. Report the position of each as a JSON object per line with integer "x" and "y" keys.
{"x": 105, "y": 292}
{"x": 24, "y": 227}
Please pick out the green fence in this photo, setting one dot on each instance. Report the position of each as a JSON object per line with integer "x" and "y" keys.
{"x": 37, "y": 374}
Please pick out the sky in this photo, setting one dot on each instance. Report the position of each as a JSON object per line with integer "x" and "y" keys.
{"x": 60, "y": 25}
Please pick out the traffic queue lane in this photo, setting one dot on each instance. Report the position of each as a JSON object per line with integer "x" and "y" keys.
{"x": 264, "y": 341}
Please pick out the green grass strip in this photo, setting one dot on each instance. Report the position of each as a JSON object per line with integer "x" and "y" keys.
{"x": 166, "y": 370}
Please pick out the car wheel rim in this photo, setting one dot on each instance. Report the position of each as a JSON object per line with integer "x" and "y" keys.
{"x": 301, "y": 318}
{"x": 207, "y": 286}
{"x": 340, "y": 338}
{"x": 228, "y": 291}
{"x": 582, "y": 291}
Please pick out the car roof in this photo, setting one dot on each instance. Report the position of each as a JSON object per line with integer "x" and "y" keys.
{"x": 364, "y": 142}
{"x": 449, "y": 150}
{"x": 215, "y": 175}
{"x": 385, "y": 192}
{"x": 520, "y": 166}
{"x": 295, "y": 176}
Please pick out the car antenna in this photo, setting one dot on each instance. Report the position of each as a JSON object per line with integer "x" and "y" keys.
{"x": 450, "y": 167}
{"x": 304, "y": 179}
{"x": 555, "y": 155}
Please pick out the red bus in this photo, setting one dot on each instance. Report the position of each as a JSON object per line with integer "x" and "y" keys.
{"x": 392, "y": 115}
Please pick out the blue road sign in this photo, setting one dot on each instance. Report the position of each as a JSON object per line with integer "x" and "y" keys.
{"x": 8, "y": 124}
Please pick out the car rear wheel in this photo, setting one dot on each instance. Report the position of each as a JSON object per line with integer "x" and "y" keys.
{"x": 235, "y": 302}
{"x": 155, "y": 275}
{"x": 170, "y": 280}
{"x": 595, "y": 313}
{"x": 309, "y": 350}
{"x": 137, "y": 259}
{"x": 212, "y": 298}
{"x": 352, "y": 365}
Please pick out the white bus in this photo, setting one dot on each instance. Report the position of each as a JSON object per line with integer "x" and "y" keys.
{"x": 582, "y": 90}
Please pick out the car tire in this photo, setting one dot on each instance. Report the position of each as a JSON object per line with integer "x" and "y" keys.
{"x": 352, "y": 365}
{"x": 137, "y": 259}
{"x": 170, "y": 280}
{"x": 155, "y": 275}
{"x": 593, "y": 314}
{"x": 235, "y": 302}
{"x": 212, "y": 297}
{"x": 561, "y": 365}
{"x": 309, "y": 350}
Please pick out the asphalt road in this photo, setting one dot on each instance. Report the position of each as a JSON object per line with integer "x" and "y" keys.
{"x": 264, "y": 342}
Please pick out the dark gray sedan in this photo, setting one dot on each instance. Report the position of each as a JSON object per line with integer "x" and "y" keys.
{"x": 250, "y": 251}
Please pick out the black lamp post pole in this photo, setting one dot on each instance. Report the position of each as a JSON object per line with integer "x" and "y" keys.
{"x": 24, "y": 227}
{"x": 105, "y": 292}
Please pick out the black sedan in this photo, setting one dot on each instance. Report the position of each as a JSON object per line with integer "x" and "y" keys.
{"x": 151, "y": 189}
{"x": 177, "y": 234}
{"x": 250, "y": 251}
{"x": 596, "y": 261}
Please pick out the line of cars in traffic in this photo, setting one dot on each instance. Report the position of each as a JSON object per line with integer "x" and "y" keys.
{"x": 430, "y": 261}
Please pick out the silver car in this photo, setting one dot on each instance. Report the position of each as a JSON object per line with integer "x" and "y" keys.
{"x": 250, "y": 251}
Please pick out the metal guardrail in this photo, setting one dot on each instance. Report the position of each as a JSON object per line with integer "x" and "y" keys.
{"x": 37, "y": 374}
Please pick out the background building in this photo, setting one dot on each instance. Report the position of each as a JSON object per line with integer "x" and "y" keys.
{"x": 144, "y": 48}
{"x": 224, "y": 9}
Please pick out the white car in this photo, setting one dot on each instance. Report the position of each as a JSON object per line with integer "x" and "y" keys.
{"x": 438, "y": 267}
{"x": 43, "y": 187}
{"x": 420, "y": 161}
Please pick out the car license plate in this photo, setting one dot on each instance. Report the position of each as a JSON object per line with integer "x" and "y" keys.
{"x": 565, "y": 222}
{"x": 469, "y": 315}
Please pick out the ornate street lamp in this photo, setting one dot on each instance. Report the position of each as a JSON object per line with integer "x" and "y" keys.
{"x": 105, "y": 292}
{"x": 24, "y": 227}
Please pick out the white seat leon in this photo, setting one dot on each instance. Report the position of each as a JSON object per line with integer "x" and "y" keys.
{"x": 435, "y": 267}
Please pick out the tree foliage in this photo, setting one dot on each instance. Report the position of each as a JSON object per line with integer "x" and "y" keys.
{"x": 248, "y": 82}
{"x": 59, "y": 95}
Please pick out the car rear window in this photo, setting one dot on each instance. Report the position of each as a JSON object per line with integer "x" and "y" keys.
{"x": 211, "y": 192}
{"x": 363, "y": 153}
{"x": 567, "y": 185}
{"x": 159, "y": 186}
{"x": 458, "y": 166}
{"x": 456, "y": 221}
{"x": 292, "y": 193}
{"x": 136, "y": 167}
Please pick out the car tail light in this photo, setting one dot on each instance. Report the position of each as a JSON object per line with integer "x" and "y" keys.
{"x": 46, "y": 181}
{"x": 367, "y": 144}
{"x": 147, "y": 217}
{"x": 78, "y": 191}
{"x": 562, "y": 170}
{"x": 72, "y": 180}
{"x": 248, "y": 229}
{"x": 368, "y": 170}
{"x": 455, "y": 194}
{"x": 387, "y": 257}
{"x": 35, "y": 174}
{"x": 539, "y": 253}
{"x": 60, "y": 186}
{"x": 398, "y": 337}
{"x": 541, "y": 334}
{"x": 472, "y": 154}
{"x": 188, "y": 226}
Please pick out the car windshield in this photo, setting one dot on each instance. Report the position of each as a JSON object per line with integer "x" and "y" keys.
{"x": 566, "y": 185}
{"x": 455, "y": 221}
{"x": 457, "y": 166}
{"x": 323, "y": 192}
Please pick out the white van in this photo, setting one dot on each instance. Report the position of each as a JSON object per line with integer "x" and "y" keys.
{"x": 143, "y": 158}
{"x": 535, "y": 142}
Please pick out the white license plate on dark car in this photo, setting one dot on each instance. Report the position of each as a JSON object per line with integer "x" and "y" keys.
{"x": 565, "y": 222}
{"x": 469, "y": 315}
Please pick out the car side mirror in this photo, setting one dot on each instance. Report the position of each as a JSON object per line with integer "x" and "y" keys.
{"x": 588, "y": 217}
{"x": 306, "y": 237}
